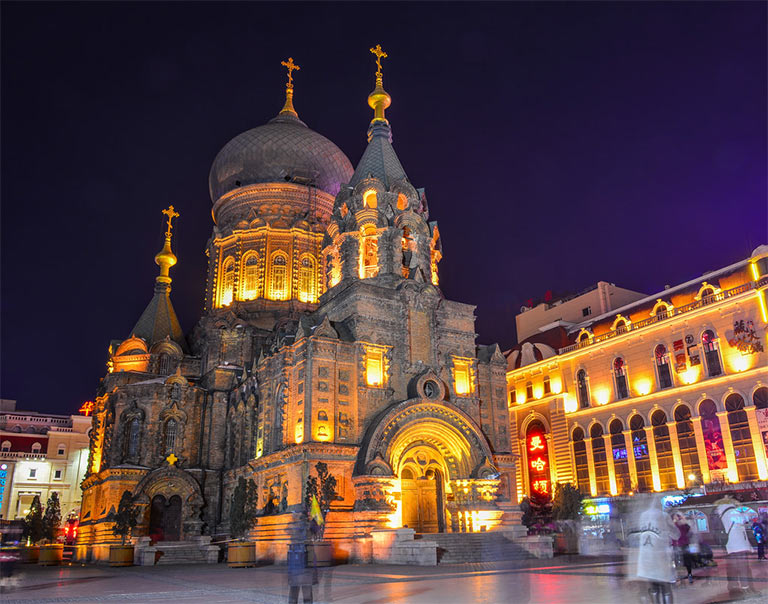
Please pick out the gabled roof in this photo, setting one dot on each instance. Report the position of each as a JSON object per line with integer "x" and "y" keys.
{"x": 159, "y": 319}
{"x": 379, "y": 160}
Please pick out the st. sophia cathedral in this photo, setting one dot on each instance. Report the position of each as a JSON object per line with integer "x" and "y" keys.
{"x": 325, "y": 337}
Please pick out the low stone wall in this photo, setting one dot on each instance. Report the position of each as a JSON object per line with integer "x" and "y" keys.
{"x": 539, "y": 546}
{"x": 398, "y": 546}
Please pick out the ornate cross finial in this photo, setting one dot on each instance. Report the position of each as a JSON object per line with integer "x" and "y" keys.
{"x": 290, "y": 66}
{"x": 380, "y": 54}
{"x": 171, "y": 215}
{"x": 171, "y": 459}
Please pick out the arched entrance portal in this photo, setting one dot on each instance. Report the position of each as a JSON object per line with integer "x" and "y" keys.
{"x": 423, "y": 491}
{"x": 165, "y": 518}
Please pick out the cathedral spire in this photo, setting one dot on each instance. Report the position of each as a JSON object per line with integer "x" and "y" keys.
{"x": 288, "y": 107}
{"x": 165, "y": 258}
{"x": 379, "y": 99}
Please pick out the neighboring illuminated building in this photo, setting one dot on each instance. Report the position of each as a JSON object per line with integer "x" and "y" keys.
{"x": 325, "y": 338}
{"x": 666, "y": 392}
{"x": 40, "y": 454}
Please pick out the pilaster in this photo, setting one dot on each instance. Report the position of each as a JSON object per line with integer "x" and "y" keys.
{"x": 631, "y": 458}
{"x": 679, "y": 473}
{"x": 609, "y": 459}
{"x": 701, "y": 450}
{"x": 757, "y": 443}
{"x": 730, "y": 454}
{"x": 591, "y": 466}
{"x": 652, "y": 458}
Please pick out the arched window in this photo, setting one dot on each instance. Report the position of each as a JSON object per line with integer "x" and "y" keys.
{"x": 227, "y": 281}
{"x": 760, "y": 398}
{"x": 620, "y": 378}
{"x": 621, "y": 326}
{"x": 713, "y": 437}
{"x": 600, "y": 460}
{"x": 619, "y": 452}
{"x": 711, "y": 353}
{"x": 279, "y": 277}
{"x": 664, "y": 458}
{"x": 164, "y": 363}
{"x": 6, "y": 446}
{"x": 369, "y": 253}
{"x": 640, "y": 451}
{"x": 307, "y": 280}
{"x": 370, "y": 199}
{"x": 133, "y": 437}
{"x": 580, "y": 460}
{"x": 582, "y": 388}
{"x": 662, "y": 366}
{"x": 741, "y": 437}
{"x": 250, "y": 278}
{"x": 36, "y": 447}
{"x": 686, "y": 440}
{"x": 170, "y": 436}
{"x": 707, "y": 295}
{"x": 322, "y": 416}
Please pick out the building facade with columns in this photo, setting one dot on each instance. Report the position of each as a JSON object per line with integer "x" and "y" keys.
{"x": 667, "y": 392}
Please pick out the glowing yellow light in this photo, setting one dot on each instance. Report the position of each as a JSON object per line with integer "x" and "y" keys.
{"x": 602, "y": 396}
{"x": 520, "y": 397}
{"x": 538, "y": 392}
{"x": 556, "y": 384}
{"x": 763, "y": 306}
{"x": 740, "y": 362}
{"x": 322, "y": 433}
{"x": 691, "y": 476}
{"x": 259, "y": 447}
{"x": 733, "y": 476}
{"x": 370, "y": 199}
{"x": 374, "y": 370}
{"x": 643, "y": 386}
{"x": 395, "y": 519}
{"x": 753, "y": 268}
{"x": 690, "y": 375}
{"x": 461, "y": 377}
{"x": 298, "y": 434}
{"x": 569, "y": 403}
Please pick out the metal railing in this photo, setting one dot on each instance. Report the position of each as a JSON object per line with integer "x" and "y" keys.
{"x": 664, "y": 316}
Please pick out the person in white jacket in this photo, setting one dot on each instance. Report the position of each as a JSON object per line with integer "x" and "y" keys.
{"x": 737, "y": 546}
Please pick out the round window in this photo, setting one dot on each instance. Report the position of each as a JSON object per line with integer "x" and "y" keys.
{"x": 431, "y": 389}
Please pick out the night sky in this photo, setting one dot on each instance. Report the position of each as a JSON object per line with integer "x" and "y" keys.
{"x": 559, "y": 145}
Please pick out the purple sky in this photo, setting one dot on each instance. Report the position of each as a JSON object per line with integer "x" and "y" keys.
{"x": 559, "y": 144}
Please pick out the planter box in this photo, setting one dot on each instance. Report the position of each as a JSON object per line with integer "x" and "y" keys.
{"x": 241, "y": 554}
{"x": 30, "y": 554}
{"x": 51, "y": 555}
{"x": 121, "y": 555}
{"x": 319, "y": 553}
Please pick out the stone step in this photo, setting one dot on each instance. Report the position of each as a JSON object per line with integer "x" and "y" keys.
{"x": 456, "y": 548}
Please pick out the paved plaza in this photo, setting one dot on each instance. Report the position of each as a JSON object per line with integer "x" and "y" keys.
{"x": 579, "y": 579}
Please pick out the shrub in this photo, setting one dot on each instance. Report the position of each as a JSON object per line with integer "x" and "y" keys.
{"x": 243, "y": 508}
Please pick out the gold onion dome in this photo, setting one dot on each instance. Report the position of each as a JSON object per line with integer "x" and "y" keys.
{"x": 165, "y": 258}
{"x": 379, "y": 99}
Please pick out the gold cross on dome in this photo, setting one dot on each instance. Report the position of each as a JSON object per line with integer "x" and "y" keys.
{"x": 380, "y": 54}
{"x": 171, "y": 459}
{"x": 290, "y": 66}
{"x": 171, "y": 215}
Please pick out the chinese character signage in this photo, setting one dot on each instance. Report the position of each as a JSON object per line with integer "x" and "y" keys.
{"x": 87, "y": 408}
{"x": 538, "y": 464}
{"x": 744, "y": 337}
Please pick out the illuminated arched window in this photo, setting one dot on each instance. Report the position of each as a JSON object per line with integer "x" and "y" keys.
{"x": 621, "y": 326}
{"x": 686, "y": 439}
{"x": 760, "y": 398}
{"x": 307, "y": 280}
{"x": 36, "y": 447}
{"x": 711, "y": 353}
{"x": 741, "y": 437}
{"x": 170, "y": 436}
{"x": 620, "y": 378}
{"x": 619, "y": 452}
{"x": 369, "y": 253}
{"x": 227, "y": 282}
{"x": 600, "y": 460}
{"x": 370, "y": 199}
{"x": 132, "y": 445}
{"x": 664, "y": 457}
{"x": 279, "y": 277}
{"x": 580, "y": 460}
{"x": 581, "y": 387}
{"x": 640, "y": 451}
{"x": 6, "y": 446}
{"x": 250, "y": 278}
{"x": 662, "y": 366}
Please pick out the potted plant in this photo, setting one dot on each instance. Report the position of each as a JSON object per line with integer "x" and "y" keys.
{"x": 242, "y": 517}
{"x": 125, "y": 521}
{"x": 319, "y": 493}
{"x": 566, "y": 506}
{"x": 33, "y": 530}
{"x": 52, "y": 553}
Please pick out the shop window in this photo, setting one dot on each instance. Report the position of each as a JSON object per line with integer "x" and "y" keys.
{"x": 582, "y": 388}
{"x": 640, "y": 451}
{"x": 711, "y": 353}
{"x": 689, "y": 456}
{"x": 279, "y": 277}
{"x": 662, "y": 366}
{"x": 250, "y": 277}
{"x": 741, "y": 437}
{"x": 620, "y": 378}
{"x": 620, "y": 461}
{"x": 580, "y": 459}
{"x": 600, "y": 460}
{"x": 664, "y": 458}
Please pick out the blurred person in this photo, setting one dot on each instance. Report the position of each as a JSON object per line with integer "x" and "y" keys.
{"x": 652, "y": 556}
{"x": 737, "y": 547}
{"x": 683, "y": 543}
{"x": 299, "y": 576}
{"x": 758, "y": 530}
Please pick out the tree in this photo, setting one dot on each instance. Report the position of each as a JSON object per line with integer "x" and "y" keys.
{"x": 52, "y": 518}
{"x": 33, "y": 523}
{"x": 126, "y": 517}
{"x": 323, "y": 488}
{"x": 537, "y": 515}
{"x": 566, "y": 503}
{"x": 243, "y": 509}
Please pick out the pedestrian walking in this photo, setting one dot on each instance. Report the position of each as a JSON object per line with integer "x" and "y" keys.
{"x": 682, "y": 545}
{"x": 737, "y": 547}
{"x": 759, "y": 532}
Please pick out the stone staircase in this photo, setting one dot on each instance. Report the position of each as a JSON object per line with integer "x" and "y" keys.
{"x": 458, "y": 548}
{"x": 196, "y": 551}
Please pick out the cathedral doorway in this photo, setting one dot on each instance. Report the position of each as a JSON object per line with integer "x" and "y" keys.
{"x": 423, "y": 499}
{"x": 165, "y": 518}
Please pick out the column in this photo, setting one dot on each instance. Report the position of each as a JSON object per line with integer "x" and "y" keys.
{"x": 591, "y": 466}
{"x": 630, "y": 458}
{"x": 679, "y": 472}
{"x": 730, "y": 455}
{"x": 652, "y": 458}
{"x": 611, "y": 469}
{"x": 552, "y": 464}
{"x": 757, "y": 443}
{"x": 701, "y": 450}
